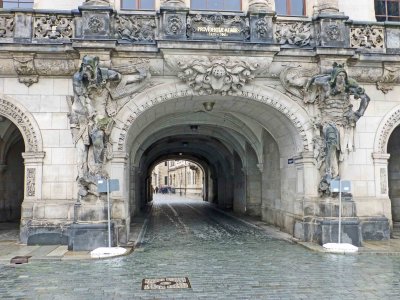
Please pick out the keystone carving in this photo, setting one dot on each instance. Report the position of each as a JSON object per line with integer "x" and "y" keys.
{"x": 369, "y": 37}
{"x": 335, "y": 122}
{"x": 98, "y": 96}
{"x": 6, "y": 26}
{"x": 216, "y": 75}
{"x": 261, "y": 5}
{"x": 53, "y": 27}
{"x": 133, "y": 28}
{"x": 297, "y": 34}
{"x": 26, "y": 70}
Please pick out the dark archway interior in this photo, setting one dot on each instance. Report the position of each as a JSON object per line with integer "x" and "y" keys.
{"x": 11, "y": 172}
{"x": 394, "y": 175}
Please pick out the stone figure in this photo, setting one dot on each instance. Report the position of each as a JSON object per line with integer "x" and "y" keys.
{"x": 332, "y": 94}
{"x": 95, "y": 103}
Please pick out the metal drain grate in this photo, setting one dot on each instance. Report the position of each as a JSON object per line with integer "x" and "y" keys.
{"x": 166, "y": 283}
{"x": 18, "y": 260}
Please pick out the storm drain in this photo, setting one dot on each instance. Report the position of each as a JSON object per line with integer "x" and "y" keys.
{"x": 166, "y": 283}
{"x": 18, "y": 260}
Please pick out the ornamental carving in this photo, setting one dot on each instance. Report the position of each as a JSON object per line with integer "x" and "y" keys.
{"x": 335, "y": 120}
{"x": 262, "y": 27}
{"x": 6, "y": 26}
{"x": 134, "y": 28}
{"x": 295, "y": 78}
{"x": 369, "y": 37}
{"x": 328, "y": 6}
{"x": 174, "y": 25}
{"x": 297, "y": 34}
{"x": 26, "y": 70}
{"x": 30, "y": 182}
{"x": 390, "y": 76}
{"x": 173, "y": 3}
{"x": 19, "y": 118}
{"x": 332, "y": 32}
{"x": 387, "y": 129}
{"x": 53, "y": 27}
{"x": 99, "y": 93}
{"x": 261, "y": 5}
{"x": 216, "y": 75}
{"x": 218, "y": 26}
{"x": 95, "y": 24}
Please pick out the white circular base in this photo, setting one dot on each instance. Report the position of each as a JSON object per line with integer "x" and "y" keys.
{"x": 340, "y": 248}
{"x": 107, "y": 252}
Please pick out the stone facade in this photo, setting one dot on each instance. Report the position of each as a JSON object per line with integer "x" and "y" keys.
{"x": 271, "y": 109}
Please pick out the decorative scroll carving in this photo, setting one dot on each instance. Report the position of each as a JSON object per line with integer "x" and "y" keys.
{"x": 336, "y": 121}
{"x": 333, "y": 32}
{"x": 219, "y": 26}
{"x": 297, "y": 34}
{"x": 6, "y": 26}
{"x": 216, "y": 75}
{"x": 19, "y": 118}
{"x": 370, "y": 37}
{"x": 97, "y": 95}
{"x": 30, "y": 182}
{"x": 26, "y": 70}
{"x": 54, "y": 27}
{"x": 262, "y": 27}
{"x": 134, "y": 28}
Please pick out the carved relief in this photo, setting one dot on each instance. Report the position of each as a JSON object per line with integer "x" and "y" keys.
{"x": 370, "y": 37}
{"x": 53, "y": 27}
{"x": 95, "y": 24}
{"x": 55, "y": 66}
{"x": 216, "y": 75}
{"x": 262, "y": 27}
{"x": 174, "y": 25}
{"x": 387, "y": 129}
{"x": 97, "y": 92}
{"x": 294, "y": 79}
{"x": 26, "y": 70}
{"x": 19, "y": 118}
{"x": 297, "y": 34}
{"x": 336, "y": 120}
{"x": 6, "y": 26}
{"x": 383, "y": 176}
{"x": 391, "y": 76}
{"x": 30, "y": 182}
{"x": 134, "y": 28}
{"x": 333, "y": 32}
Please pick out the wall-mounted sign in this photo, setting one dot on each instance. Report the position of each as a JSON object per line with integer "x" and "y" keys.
{"x": 218, "y": 26}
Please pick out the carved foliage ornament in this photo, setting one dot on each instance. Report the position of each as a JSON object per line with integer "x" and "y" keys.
{"x": 297, "y": 34}
{"x": 333, "y": 32}
{"x": 6, "y": 26}
{"x": 370, "y": 37}
{"x": 174, "y": 25}
{"x": 26, "y": 70}
{"x": 95, "y": 24}
{"x": 54, "y": 27}
{"x": 262, "y": 27}
{"x": 134, "y": 29}
{"x": 216, "y": 75}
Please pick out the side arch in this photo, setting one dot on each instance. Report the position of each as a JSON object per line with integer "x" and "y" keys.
{"x": 19, "y": 115}
{"x": 385, "y": 129}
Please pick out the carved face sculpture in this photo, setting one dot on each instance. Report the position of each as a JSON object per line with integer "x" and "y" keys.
{"x": 341, "y": 81}
{"x": 89, "y": 68}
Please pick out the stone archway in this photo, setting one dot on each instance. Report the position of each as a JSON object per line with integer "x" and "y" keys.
{"x": 33, "y": 157}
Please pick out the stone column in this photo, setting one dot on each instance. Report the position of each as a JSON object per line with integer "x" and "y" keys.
{"x": 3, "y": 169}
{"x": 120, "y": 199}
{"x": 32, "y": 189}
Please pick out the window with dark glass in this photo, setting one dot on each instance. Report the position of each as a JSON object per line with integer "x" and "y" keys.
{"x": 138, "y": 4}
{"x": 16, "y": 3}
{"x": 219, "y": 5}
{"x": 290, "y": 7}
{"x": 387, "y": 10}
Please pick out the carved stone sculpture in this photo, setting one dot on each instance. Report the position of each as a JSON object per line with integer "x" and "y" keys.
{"x": 53, "y": 27}
{"x": 134, "y": 29}
{"x": 6, "y": 26}
{"x": 261, "y": 5}
{"x": 370, "y": 37}
{"x": 216, "y": 75}
{"x": 95, "y": 103}
{"x": 297, "y": 34}
{"x": 336, "y": 122}
{"x": 26, "y": 70}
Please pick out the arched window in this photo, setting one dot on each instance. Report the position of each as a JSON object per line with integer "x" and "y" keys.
{"x": 387, "y": 10}
{"x": 216, "y": 5}
{"x": 137, "y": 4}
{"x": 290, "y": 7}
{"x": 16, "y": 3}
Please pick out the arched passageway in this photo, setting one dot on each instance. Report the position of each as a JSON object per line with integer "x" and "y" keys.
{"x": 11, "y": 173}
{"x": 245, "y": 147}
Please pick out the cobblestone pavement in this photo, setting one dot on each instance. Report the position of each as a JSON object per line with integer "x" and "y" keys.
{"x": 222, "y": 257}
